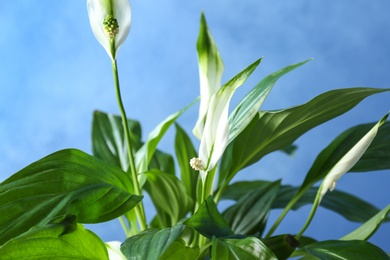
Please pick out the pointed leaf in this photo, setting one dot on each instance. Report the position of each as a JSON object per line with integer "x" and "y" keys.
{"x": 145, "y": 153}
{"x": 282, "y": 245}
{"x": 185, "y": 151}
{"x": 249, "y": 215}
{"x": 151, "y": 243}
{"x": 271, "y": 131}
{"x": 108, "y": 140}
{"x": 353, "y": 249}
{"x": 63, "y": 240}
{"x": 168, "y": 195}
{"x": 366, "y": 230}
{"x": 163, "y": 162}
{"x": 180, "y": 251}
{"x": 108, "y": 143}
{"x": 66, "y": 182}
{"x": 250, "y": 248}
{"x": 208, "y": 221}
{"x": 244, "y": 112}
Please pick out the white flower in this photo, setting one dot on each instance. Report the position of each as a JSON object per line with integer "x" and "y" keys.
{"x": 210, "y": 73}
{"x": 114, "y": 250}
{"x": 349, "y": 159}
{"x": 110, "y": 22}
{"x": 215, "y": 135}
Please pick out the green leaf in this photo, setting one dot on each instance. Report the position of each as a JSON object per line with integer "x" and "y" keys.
{"x": 282, "y": 245}
{"x": 244, "y": 112}
{"x": 145, "y": 153}
{"x": 108, "y": 139}
{"x": 185, "y": 151}
{"x": 366, "y": 230}
{"x": 151, "y": 243}
{"x": 273, "y": 130}
{"x": 248, "y": 248}
{"x": 179, "y": 250}
{"x": 108, "y": 143}
{"x": 63, "y": 240}
{"x": 208, "y": 221}
{"x": 68, "y": 182}
{"x": 168, "y": 195}
{"x": 347, "y": 205}
{"x": 353, "y": 249}
{"x": 163, "y": 162}
{"x": 343, "y": 143}
{"x": 249, "y": 215}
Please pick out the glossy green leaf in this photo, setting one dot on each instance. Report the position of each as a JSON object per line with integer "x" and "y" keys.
{"x": 168, "y": 195}
{"x": 66, "y": 182}
{"x": 273, "y": 130}
{"x": 353, "y": 249}
{"x": 347, "y": 205}
{"x": 178, "y": 250}
{"x": 185, "y": 151}
{"x": 249, "y": 214}
{"x": 248, "y": 248}
{"x": 151, "y": 243}
{"x": 244, "y": 112}
{"x": 108, "y": 139}
{"x": 145, "y": 153}
{"x": 366, "y": 230}
{"x": 208, "y": 221}
{"x": 163, "y": 162}
{"x": 282, "y": 245}
{"x": 63, "y": 240}
{"x": 343, "y": 143}
{"x": 108, "y": 143}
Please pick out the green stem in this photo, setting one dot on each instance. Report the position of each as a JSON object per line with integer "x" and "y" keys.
{"x": 124, "y": 226}
{"x": 285, "y": 211}
{"x": 139, "y": 209}
{"x": 207, "y": 185}
{"x": 311, "y": 215}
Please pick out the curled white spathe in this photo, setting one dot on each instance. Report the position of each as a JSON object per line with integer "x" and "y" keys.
{"x": 98, "y": 10}
{"x": 349, "y": 159}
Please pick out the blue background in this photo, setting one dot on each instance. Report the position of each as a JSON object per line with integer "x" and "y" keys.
{"x": 53, "y": 74}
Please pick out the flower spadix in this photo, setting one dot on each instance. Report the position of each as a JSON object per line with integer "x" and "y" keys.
{"x": 110, "y": 22}
{"x": 349, "y": 159}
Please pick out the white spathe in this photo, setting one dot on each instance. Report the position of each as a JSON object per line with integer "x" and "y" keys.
{"x": 210, "y": 74}
{"x": 349, "y": 159}
{"x": 215, "y": 135}
{"x": 98, "y": 10}
{"x": 114, "y": 250}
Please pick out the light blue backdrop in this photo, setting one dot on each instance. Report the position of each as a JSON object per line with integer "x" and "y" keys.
{"x": 53, "y": 74}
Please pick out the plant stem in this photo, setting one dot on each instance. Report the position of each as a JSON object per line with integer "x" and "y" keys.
{"x": 207, "y": 185}
{"x": 311, "y": 215}
{"x": 284, "y": 212}
{"x": 139, "y": 209}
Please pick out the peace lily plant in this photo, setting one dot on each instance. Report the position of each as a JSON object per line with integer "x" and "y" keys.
{"x": 45, "y": 205}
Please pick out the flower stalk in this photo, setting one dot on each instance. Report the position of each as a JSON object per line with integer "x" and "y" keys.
{"x": 110, "y": 22}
